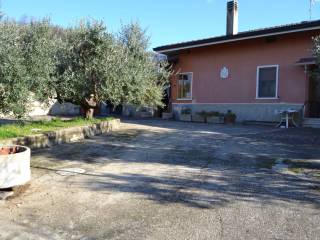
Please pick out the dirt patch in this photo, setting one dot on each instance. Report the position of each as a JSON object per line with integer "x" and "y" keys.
{"x": 18, "y": 191}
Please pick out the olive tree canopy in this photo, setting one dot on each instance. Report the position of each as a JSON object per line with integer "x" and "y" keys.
{"x": 84, "y": 65}
{"x": 27, "y": 56}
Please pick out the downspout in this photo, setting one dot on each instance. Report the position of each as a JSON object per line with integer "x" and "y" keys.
{"x": 306, "y": 91}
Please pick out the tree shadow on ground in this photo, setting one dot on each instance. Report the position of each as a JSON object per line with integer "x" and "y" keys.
{"x": 200, "y": 168}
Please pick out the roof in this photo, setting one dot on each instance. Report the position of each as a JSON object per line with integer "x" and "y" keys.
{"x": 263, "y": 32}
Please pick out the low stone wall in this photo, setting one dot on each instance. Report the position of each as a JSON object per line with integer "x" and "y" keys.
{"x": 64, "y": 135}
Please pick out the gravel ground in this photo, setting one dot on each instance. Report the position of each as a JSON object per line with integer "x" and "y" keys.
{"x": 157, "y": 179}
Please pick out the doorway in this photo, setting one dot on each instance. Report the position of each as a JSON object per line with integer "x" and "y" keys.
{"x": 313, "y": 104}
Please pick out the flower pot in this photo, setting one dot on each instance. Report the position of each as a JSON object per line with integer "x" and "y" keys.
{"x": 229, "y": 120}
{"x": 14, "y": 166}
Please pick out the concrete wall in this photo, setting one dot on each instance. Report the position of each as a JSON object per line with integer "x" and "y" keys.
{"x": 135, "y": 111}
{"x": 64, "y": 109}
{"x": 267, "y": 112}
{"x": 52, "y": 108}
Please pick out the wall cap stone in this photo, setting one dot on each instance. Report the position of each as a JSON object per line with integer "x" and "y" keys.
{"x": 66, "y": 135}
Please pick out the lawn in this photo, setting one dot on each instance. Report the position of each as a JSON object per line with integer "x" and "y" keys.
{"x": 25, "y": 128}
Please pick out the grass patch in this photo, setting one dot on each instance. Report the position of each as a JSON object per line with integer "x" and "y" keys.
{"x": 295, "y": 170}
{"x": 25, "y": 128}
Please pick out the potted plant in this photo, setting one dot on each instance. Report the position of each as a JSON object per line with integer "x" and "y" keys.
{"x": 200, "y": 117}
{"x": 185, "y": 114}
{"x": 215, "y": 117}
{"x": 230, "y": 117}
{"x": 15, "y": 166}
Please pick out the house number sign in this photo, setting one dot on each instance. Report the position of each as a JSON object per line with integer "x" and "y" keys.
{"x": 224, "y": 73}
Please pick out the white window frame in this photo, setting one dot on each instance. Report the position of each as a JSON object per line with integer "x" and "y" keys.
{"x": 257, "y": 82}
{"x": 184, "y": 99}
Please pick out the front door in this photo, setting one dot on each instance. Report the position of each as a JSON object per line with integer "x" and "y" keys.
{"x": 314, "y": 98}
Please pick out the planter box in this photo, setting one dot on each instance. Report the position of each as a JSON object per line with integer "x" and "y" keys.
{"x": 229, "y": 121}
{"x": 215, "y": 120}
{"x": 198, "y": 118}
{"x": 185, "y": 117}
{"x": 15, "y": 167}
{"x": 167, "y": 115}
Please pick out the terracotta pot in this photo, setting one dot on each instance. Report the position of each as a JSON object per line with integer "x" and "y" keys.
{"x": 8, "y": 150}
{"x": 228, "y": 120}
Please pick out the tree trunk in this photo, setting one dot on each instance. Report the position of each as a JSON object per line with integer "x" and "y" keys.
{"x": 89, "y": 113}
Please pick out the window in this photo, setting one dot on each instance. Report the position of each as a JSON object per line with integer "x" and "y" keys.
{"x": 185, "y": 86}
{"x": 267, "y": 82}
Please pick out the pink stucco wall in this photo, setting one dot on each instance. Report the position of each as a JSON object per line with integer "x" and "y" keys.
{"x": 242, "y": 59}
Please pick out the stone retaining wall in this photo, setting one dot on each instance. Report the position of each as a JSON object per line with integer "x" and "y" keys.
{"x": 63, "y": 136}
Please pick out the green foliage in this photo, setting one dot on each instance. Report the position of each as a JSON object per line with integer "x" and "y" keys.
{"x": 27, "y": 63}
{"x": 88, "y": 63}
{"x": 316, "y": 52}
{"x": 28, "y": 128}
{"x": 13, "y": 84}
{"x": 213, "y": 114}
{"x": 144, "y": 77}
{"x": 186, "y": 111}
{"x": 40, "y": 44}
{"x": 209, "y": 114}
{"x": 115, "y": 68}
{"x": 41, "y": 61}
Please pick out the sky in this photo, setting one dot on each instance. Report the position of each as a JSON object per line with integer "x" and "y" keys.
{"x": 166, "y": 21}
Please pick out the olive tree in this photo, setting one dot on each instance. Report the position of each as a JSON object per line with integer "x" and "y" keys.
{"x": 88, "y": 66}
{"x": 144, "y": 75}
{"x": 315, "y": 72}
{"x": 99, "y": 66}
{"x": 84, "y": 65}
{"x": 14, "y": 87}
{"x": 27, "y": 53}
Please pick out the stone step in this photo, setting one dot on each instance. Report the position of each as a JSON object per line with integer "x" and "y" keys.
{"x": 311, "y": 122}
{"x": 311, "y": 125}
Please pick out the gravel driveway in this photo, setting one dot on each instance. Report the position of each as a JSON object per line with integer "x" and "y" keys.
{"x": 171, "y": 180}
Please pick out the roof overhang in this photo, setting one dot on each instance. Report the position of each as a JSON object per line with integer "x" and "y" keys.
{"x": 306, "y": 61}
{"x": 239, "y": 37}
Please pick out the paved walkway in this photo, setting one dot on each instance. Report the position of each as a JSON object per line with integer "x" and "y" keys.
{"x": 171, "y": 180}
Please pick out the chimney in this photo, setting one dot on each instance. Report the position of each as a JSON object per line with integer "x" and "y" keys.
{"x": 232, "y": 17}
